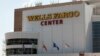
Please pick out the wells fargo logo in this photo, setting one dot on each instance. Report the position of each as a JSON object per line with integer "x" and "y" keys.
{"x": 53, "y": 18}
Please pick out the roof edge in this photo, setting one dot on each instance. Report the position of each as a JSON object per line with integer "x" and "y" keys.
{"x": 53, "y": 5}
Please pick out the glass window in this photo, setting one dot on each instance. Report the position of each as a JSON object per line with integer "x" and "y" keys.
{"x": 21, "y": 41}
{"x": 15, "y": 51}
{"x": 96, "y": 36}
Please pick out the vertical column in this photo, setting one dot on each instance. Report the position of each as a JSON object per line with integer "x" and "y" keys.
{"x": 18, "y": 20}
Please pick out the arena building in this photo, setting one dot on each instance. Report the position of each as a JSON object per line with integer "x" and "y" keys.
{"x": 62, "y": 29}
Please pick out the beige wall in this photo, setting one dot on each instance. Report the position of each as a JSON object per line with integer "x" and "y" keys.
{"x": 73, "y": 31}
{"x": 96, "y": 10}
{"x": 18, "y": 13}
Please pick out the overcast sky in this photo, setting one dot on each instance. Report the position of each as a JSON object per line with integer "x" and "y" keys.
{"x": 7, "y": 15}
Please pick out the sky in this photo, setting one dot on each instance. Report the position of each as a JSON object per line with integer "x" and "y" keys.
{"x": 7, "y": 15}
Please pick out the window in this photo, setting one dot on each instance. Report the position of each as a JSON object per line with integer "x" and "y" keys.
{"x": 21, "y": 41}
{"x": 15, "y": 51}
{"x": 96, "y": 36}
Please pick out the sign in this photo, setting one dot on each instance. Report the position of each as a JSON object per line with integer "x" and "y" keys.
{"x": 61, "y": 15}
{"x": 53, "y": 18}
{"x": 51, "y": 22}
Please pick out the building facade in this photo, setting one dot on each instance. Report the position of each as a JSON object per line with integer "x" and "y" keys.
{"x": 96, "y": 9}
{"x": 64, "y": 29}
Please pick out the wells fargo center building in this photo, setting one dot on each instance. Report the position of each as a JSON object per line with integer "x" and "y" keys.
{"x": 62, "y": 29}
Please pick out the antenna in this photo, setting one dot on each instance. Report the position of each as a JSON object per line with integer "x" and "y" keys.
{"x": 53, "y": 2}
{"x": 38, "y": 4}
{"x": 31, "y": 5}
{"x": 28, "y": 5}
